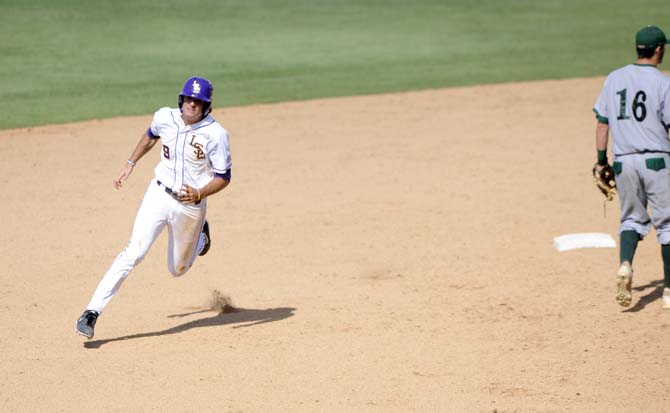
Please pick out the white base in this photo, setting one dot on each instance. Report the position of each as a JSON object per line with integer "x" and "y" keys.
{"x": 584, "y": 240}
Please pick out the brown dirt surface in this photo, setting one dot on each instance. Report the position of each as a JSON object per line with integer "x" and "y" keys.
{"x": 386, "y": 253}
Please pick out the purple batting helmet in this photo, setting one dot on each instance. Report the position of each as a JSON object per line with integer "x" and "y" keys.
{"x": 198, "y": 88}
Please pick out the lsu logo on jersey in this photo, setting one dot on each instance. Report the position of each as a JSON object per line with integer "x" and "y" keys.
{"x": 199, "y": 154}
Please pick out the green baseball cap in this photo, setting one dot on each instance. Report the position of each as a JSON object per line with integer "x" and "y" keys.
{"x": 650, "y": 37}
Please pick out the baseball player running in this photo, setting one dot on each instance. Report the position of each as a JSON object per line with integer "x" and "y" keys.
{"x": 195, "y": 163}
{"x": 634, "y": 106}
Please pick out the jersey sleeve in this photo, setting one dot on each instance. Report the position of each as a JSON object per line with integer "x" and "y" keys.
{"x": 600, "y": 108}
{"x": 158, "y": 120}
{"x": 151, "y": 133}
{"x": 218, "y": 154}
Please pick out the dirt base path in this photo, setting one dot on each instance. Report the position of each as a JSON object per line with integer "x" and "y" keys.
{"x": 385, "y": 253}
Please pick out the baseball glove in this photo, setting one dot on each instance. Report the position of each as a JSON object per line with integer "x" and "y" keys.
{"x": 605, "y": 181}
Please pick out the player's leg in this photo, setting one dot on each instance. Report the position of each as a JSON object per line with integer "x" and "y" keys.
{"x": 185, "y": 236}
{"x": 628, "y": 241}
{"x": 665, "y": 253}
{"x": 656, "y": 176}
{"x": 628, "y": 244}
{"x": 632, "y": 195}
{"x": 205, "y": 241}
{"x": 635, "y": 221}
{"x": 657, "y": 182}
{"x": 150, "y": 220}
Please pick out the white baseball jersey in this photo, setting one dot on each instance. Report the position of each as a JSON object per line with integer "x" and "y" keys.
{"x": 192, "y": 154}
{"x": 635, "y": 103}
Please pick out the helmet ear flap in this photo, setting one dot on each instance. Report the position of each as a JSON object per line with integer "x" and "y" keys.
{"x": 180, "y": 101}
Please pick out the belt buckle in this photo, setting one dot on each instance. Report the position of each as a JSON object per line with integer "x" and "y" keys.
{"x": 168, "y": 190}
{"x": 173, "y": 194}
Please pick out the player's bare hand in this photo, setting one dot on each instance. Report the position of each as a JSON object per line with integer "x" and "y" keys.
{"x": 189, "y": 194}
{"x": 125, "y": 174}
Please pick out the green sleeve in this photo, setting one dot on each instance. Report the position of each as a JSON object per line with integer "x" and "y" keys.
{"x": 601, "y": 119}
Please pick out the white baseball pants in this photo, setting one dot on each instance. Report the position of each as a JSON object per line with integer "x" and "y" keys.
{"x": 158, "y": 209}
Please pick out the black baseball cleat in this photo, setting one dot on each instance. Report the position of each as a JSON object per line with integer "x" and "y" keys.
{"x": 208, "y": 242}
{"x": 86, "y": 323}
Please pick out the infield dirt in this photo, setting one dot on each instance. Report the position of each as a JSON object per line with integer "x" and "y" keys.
{"x": 385, "y": 253}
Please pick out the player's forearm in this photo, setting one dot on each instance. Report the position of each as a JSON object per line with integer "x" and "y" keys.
{"x": 143, "y": 146}
{"x": 213, "y": 186}
{"x": 602, "y": 136}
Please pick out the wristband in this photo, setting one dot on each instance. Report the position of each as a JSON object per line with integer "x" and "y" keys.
{"x": 131, "y": 163}
{"x": 602, "y": 157}
{"x": 199, "y": 196}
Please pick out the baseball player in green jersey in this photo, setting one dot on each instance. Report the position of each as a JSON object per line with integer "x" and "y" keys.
{"x": 634, "y": 107}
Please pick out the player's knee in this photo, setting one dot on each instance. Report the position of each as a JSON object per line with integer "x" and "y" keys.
{"x": 663, "y": 237}
{"x": 178, "y": 270}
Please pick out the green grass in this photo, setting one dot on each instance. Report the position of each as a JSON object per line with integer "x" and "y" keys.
{"x": 69, "y": 60}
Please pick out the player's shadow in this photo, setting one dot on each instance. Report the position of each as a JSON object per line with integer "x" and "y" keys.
{"x": 650, "y": 297}
{"x": 244, "y": 317}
